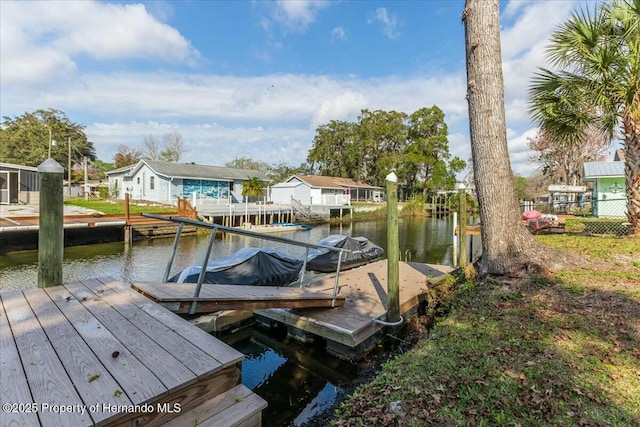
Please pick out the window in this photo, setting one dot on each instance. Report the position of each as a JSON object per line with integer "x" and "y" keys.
{"x": 151, "y": 183}
{"x": 138, "y": 180}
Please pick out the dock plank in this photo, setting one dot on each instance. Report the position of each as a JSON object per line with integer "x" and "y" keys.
{"x": 136, "y": 381}
{"x": 13, "y": 382}
{"x": 223, "y": 353}
{"x": 233, "y": 297}
{"x": 78, "y": 359}
{"x": 211, "y": 407}
{"x": 45, "y": 374}
{"x": 196, "y": 360}
{"x": 152, "y": 355}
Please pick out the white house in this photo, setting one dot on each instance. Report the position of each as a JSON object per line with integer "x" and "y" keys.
{"x": 18, "y": 184}
{"x": 164, "y": 182}
{"x": 323, "y": 190}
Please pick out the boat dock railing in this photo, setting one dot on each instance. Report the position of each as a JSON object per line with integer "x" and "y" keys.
{"x": 216, "y": 227}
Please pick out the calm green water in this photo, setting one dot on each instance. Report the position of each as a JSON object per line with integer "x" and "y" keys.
{"x": 422, "y": 239}
{"x": 301, "y": 383}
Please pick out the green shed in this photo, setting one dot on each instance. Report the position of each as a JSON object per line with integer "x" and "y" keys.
{"x": 609, "y": 197}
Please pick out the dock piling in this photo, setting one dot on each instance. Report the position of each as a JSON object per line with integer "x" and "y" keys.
{"x": 51, "y": 224}
{"x": 393, "y": 248}
{"x": 462, "y": 205}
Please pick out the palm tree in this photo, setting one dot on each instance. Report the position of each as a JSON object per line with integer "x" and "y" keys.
{"x": 252, "y": 187}
{"x": 597, "y": 87}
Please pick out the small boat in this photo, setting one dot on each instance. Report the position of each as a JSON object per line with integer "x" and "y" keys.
{"x": 326, "y": 261}
{"x": 248, "y": 266}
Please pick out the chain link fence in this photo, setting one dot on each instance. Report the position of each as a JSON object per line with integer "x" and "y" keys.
{"x": 602, "y": 216}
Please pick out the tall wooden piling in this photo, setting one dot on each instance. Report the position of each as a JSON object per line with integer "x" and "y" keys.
{"x": 128, "y": 229}
{"x": 51, "y": 224}
{"x": 393, "y": 250}
{"x": 462, "y": 208}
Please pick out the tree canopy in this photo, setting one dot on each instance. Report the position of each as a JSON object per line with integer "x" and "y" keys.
{"x": 414, "y": 146}
{"x": 597, "y": 87}
{"x": 247, "y": 163}
{"x": 252, "y": 187}
{"x": 171, "y": 148}
{"x": 126, "y": 156}
{"x": 25, "y": 139}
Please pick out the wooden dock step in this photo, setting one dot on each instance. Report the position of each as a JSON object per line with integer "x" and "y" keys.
{"x": 178, "y": 297}
{"x": 237, "y": 407}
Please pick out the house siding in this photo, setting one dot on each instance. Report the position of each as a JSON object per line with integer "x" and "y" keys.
{"x": 19, "y": 183}
{"x": 609, "y": 197}
{"x": 302, "y": 193}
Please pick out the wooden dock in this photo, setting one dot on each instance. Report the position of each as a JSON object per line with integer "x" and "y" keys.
{"x": 178, "y": 297}
{"x": 350, "y": 330}
{"x": 99, "y": 353}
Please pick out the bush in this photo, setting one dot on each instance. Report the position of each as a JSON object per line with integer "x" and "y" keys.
{"x": 103, "y": 192}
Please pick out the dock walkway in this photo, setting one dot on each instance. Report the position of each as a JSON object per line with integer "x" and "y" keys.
{"x": 349, "y": 330}
{"x": 178, "y": 297}
{"x": 98, "y": 353}
{"x": 349, "y": 327}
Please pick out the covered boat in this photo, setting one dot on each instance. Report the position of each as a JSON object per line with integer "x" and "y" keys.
{"x": 248, "y": 266}
{"x": 326, "y": 261}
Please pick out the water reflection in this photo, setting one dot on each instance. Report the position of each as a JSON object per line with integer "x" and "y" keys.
{"x": 423, "y": 239}
{"x": 299, "y": 382}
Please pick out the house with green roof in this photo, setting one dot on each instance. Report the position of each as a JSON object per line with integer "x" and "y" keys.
{"x": 164, "y": 182}
{"x": 609, "y": 197}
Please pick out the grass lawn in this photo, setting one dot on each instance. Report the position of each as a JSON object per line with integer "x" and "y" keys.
{"x": 561, "y": 350}
{"x": 116, "y": 206}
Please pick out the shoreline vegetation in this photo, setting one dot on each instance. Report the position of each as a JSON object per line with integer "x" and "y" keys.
{"x": 559, "y": 348}
{"x": 362, "y": 211}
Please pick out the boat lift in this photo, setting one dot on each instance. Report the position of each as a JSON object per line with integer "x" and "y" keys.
{"x": 216, "y": 227}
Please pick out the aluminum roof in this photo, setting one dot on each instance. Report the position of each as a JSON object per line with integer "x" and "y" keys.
{"x": 594, "y": 170}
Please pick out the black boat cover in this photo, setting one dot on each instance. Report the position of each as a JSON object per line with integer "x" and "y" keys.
{"x": 326, "y": 261}
{"x": 248, "y": 266}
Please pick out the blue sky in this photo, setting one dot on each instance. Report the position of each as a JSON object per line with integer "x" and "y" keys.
{"x": 256, "y": 78}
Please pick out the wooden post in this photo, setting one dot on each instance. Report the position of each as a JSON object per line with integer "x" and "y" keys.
{"x": 69, "y": 169}
{"x": 393, "y": 250}
{"x": 128, "y": 231}
{"x": 455, "y": 239}
{"x": 462, "y": 207}
{"x": 127, "y": 215}
{"x": 51, "y": 224}
{"x": 86, "y": 179}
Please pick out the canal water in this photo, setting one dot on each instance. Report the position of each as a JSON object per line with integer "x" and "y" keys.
{"x": 299, "y": 382}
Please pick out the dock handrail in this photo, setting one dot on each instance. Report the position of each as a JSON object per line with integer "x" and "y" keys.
{"x": 216, "y": 227}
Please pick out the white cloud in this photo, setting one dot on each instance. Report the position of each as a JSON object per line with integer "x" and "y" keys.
{"x": 389, "y": 22}
{"x": 39, "y": 41}
{"x": 523, "y": 47}
{"x": 338, "y": 33}
{"x": 297, "y": 15}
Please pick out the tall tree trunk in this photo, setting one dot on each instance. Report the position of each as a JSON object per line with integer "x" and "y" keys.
{"x": 632, "y": 170}
{"x": 507, "y": 247}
